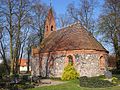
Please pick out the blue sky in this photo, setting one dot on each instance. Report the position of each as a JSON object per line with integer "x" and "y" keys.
{"x": 61, "y": 5}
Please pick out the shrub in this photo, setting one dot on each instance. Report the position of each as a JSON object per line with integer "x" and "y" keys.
{"x": 26, "y": 77}
{"x": 20, "y": 87}
{"x": 115, "y": 80}
{"x": 101, "y": 77}
{"x": 115, "y": 71}
{"x": 69, "y": 73}
{"x": 14, "y": 76}
{"x": 94, "y": 82}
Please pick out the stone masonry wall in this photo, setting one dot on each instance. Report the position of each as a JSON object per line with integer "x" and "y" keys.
{"x": 57, "y": 68}
{"x": 35, "y": 66}
{"x": 86, "y": 64}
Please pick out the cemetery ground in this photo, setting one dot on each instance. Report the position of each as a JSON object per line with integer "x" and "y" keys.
{"x": 75, "y": 85}
{"x": 72, "y": 85}
{"x": 82, "y": 83}
{"x": 57, "y": 84}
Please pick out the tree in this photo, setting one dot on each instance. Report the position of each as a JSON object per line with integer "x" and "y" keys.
{"x": 84, "y": 14}
{"x": 16, "y": 17}
{"x": 35, "y": 37}
{"x": 23, "y": 19}
{"x": 64, "y": 20}
{"x": 109, "y": 25}
{"x": 3, "y": 49}
{"x": 39, "y": 14}
{"x": 6, "y": 8}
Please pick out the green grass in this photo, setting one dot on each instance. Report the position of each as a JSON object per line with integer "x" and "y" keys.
{"x": 73, "y": 85}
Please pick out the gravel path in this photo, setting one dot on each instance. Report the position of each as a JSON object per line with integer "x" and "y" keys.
{"x": 49, "y": 82}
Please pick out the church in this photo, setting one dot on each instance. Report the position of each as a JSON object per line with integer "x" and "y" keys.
{"x": 70, "y": 44}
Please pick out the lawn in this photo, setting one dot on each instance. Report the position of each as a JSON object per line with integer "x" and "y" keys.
{"x": 73, "y": 85}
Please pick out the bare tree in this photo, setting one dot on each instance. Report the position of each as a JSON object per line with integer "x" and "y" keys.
{"x": 16, "y": 17}
{"x": 3, "y": 49}
{"x": 84, "y": 14}
{"x": 109, "y": 25}
{"x": 39, "y": 11}
{"x": 64, "y": 20}
{"x": 7, "y": 7}
{"x": 22, "y": 25}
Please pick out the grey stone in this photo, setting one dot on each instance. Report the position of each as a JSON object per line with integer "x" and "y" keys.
{"x": 108, "y": 74}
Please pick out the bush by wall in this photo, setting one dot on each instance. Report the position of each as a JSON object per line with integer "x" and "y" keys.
{"x": 69, "y": 73}
{"x": 95, "y": 82}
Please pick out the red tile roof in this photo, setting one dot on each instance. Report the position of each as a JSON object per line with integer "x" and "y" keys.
{"x": 73, "y": 37}
{"x": 23, "y": 62}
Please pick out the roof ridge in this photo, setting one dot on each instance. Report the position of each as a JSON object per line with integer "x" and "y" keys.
{"x": 69, "y": 25}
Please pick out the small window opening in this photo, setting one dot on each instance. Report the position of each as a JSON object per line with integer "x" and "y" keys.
{"x": 47, "y": 28}
{"x": 51, "y": 28}
{"x": 70, "y": 59}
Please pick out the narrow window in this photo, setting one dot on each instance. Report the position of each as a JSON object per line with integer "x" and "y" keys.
{"x": 102, "y": 63}
{"x": 51, "y": 28}
{"x": 70, "y": 59}
{"x": 47, "y": 28}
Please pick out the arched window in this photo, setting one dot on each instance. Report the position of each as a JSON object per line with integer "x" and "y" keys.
{"x": 102, "y": 63}
{"x": 51, "y": 28}
{"x": 70, "y": 59}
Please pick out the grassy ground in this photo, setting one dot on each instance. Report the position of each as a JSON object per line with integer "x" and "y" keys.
{"x": 73, "y": 85}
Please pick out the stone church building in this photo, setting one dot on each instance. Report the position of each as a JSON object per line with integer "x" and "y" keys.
{"x": 70, "y": 44}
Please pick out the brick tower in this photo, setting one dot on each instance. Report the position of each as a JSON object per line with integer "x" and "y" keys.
{"x": 50, "y": 24}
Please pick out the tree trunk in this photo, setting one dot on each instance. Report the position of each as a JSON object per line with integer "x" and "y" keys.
{"x": 47, "y": 70}
{"x": 28, "y": 64}
{"x": 11, "y": 40}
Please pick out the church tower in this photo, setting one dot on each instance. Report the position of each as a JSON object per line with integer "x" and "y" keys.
{"x": 50, "y": 24}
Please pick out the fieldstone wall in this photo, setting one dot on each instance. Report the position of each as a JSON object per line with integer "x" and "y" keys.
{"x": 35, "y": 66}
{"x": 44, "y": 61}
{"x": 56, "y": 69}
{"x": 85, "y": 64}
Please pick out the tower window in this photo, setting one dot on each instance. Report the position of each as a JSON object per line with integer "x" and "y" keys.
{"x": 47, "y": 28}
{"x": 51, "y": 28}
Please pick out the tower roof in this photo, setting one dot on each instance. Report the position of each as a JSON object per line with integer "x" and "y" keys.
{"x": 50, "y": 24}
{"x": 73, "y": 37}
{"x": 50, "y": 14}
